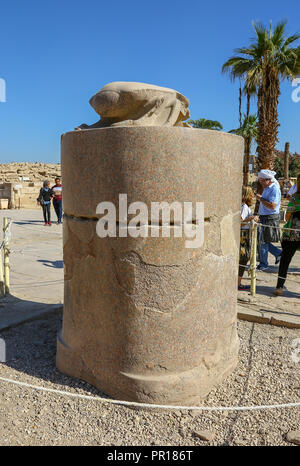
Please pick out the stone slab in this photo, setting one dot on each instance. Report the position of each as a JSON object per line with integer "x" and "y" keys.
{"x": 152, "y": 320}
{"x": 151, "y": 164}
{"x": 267, "y": 317}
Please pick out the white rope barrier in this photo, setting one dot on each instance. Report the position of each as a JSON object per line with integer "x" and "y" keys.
{"x": 278, "y": 228}
{"x": 285, "y": 278}
{"x": 59, "y": 233}
{"x": 148, "y": 405}
{"x": 7, "y": 234}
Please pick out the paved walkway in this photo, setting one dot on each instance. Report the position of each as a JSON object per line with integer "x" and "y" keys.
{"x": 36, "y": 275}
{"x": 266, "y": 308}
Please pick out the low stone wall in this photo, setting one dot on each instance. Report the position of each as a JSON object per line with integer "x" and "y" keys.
{"x": 6, "y": 193}
{"x": 20, "y": 195}
{"x": 20, "y": 183}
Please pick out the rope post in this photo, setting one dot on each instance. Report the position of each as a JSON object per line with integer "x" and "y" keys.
{"x": 253, "y": 257}
{"x": 6, "y": 224}
{"x": 2, "y": 290}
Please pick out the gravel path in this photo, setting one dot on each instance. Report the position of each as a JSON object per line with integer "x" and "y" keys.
{"x": 266, "y": 374}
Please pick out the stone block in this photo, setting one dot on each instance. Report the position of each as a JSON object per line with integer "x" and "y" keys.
{"x": 146, "y": 318}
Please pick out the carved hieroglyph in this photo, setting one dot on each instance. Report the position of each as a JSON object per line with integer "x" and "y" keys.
{"x": 138, "y": 104}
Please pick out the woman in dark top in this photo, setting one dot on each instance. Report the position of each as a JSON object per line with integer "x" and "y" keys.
{"x": 44, "y": 200}
{"x": 290, "y": 238}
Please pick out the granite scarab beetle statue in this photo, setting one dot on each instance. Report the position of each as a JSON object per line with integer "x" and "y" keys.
{"x": 138, "y": 104}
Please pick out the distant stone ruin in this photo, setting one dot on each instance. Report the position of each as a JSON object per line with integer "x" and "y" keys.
{"x": 20, "y": 183}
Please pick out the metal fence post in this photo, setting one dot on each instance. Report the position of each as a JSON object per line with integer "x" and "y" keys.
{"x": 6, "y": 224}
{"x": 253, "y": 257}
{"x": 2, "y": 290}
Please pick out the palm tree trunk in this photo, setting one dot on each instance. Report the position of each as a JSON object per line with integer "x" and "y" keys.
{"x": 240, "y": 105}
{"x": 267, "y": 102}
{"x": 248, "y": 105}
{"x": 286, "y": 160}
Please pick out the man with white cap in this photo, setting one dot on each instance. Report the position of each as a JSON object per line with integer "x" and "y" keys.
{"x": 269, "y": 216}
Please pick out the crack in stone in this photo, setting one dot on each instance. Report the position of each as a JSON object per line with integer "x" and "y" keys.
{"x": 81, "y": 218}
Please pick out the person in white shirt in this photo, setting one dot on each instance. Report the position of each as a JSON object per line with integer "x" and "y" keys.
{"x": 57, "y": 199}
{"x": 245, "y": 246}
{"x": 291, "y": 191}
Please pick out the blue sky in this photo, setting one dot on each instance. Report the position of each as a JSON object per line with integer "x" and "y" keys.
{"x": 56, "y": 54}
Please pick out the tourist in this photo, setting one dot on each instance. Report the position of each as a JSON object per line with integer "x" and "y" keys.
{"x": 44, "y": 200}
{"x": 286, "y": 187}
{"x": 269, "y": 216}
{"x": 291, "y": 191}
{"x": 290, "y": 238}
{"x": 57, "y": 199}
{"x": 245, "y": 245}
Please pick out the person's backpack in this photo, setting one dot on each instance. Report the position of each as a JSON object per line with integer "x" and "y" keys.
{"x": 40, "y": 198}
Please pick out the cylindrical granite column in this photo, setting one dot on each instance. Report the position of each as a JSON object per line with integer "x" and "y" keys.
{"x": 146, "y": 318}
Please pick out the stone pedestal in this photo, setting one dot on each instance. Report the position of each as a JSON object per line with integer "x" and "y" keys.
{"x": 147, "y": 319}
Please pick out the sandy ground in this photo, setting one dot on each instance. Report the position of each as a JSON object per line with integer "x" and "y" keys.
{"x": 36, "y": 257}
{"x": 288, "y": 303}
{"x": 267, "y": 373}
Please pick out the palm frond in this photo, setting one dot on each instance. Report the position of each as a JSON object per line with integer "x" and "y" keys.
{"x": 290, "y": 40}
{"x": 277, "y": 36}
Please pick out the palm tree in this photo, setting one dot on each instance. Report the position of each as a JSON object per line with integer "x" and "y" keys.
{"x": 263, "y": 65}
{"x": 249, "y": 131}
{"x": 205, "y": 124}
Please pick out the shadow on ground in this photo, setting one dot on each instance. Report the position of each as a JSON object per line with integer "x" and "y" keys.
{"x": 52, "y": 264}
{"x": 273, "y": 269}
{"x": 268, "y": 291}
{"x": 30, "y": 222}
{"x": 31, "y": 349}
